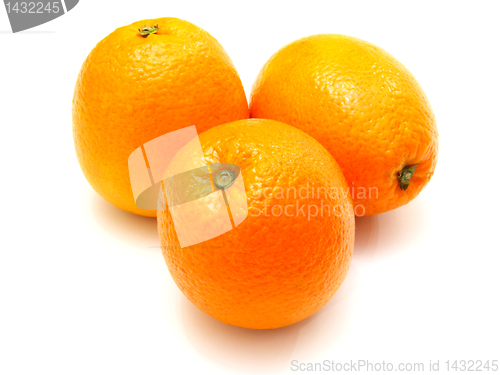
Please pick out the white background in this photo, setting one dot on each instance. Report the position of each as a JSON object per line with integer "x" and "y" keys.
{"x": 84, "y": 288}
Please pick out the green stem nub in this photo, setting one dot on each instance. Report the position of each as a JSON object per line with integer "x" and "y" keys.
{"x": 224, "y": 179}
{"x": 405, "y": 175}
{"x": 147, "y": 30}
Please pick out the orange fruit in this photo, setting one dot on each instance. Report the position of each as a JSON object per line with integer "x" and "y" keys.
{"x": 360, "y": 103}
{"x": 290, "y": 255}
{"x": 134, "y": 88}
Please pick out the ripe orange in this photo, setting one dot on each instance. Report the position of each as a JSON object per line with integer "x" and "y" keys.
{"x": 293, "y": 250}
{"x": 133, "y": 88}
{"x": 360, "y": 103}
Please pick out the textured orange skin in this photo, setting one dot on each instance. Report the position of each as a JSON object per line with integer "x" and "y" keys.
{"x": 360, "y": 103}
{"x": 270, "y": 271}
{"x": 133, "y": 89}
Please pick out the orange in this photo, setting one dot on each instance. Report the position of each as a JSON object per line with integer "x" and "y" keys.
{"x": 291, "y": 253}
{"x": 134, "y": 88}
{"x": 360, "y": 103}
